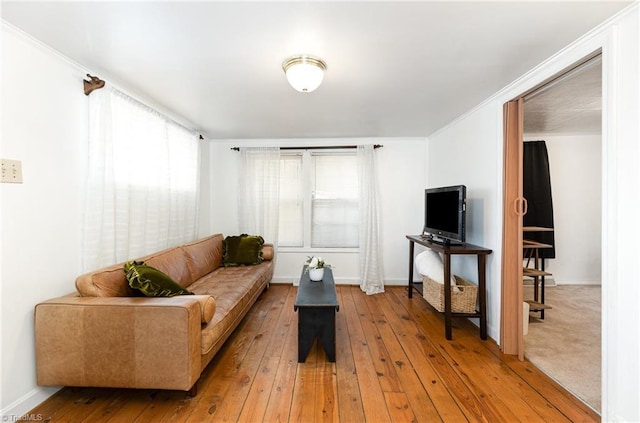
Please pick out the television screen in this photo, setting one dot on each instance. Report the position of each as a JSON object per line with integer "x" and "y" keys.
{"x": 445, "y": 212}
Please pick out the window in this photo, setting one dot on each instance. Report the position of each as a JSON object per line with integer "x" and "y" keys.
{"x": 318, "y": 200}
{"x": 149, "y": 150}
{"x": 142, "y": 185}
{"x": 334, "y": 206}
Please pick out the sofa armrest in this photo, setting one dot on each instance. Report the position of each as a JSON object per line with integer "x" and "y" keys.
{"x": 123, "y": 342}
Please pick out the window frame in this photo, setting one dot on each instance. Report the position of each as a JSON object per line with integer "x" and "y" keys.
{"x": 307, "y": 197}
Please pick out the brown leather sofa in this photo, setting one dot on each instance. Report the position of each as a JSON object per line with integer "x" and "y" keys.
{"x": 104, "y": 336}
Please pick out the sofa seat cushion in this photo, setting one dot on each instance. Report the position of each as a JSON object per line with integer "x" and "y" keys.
{"x": 233, "y": 288}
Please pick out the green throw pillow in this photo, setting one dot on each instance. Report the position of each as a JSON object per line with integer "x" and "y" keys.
{"x": 242, "y": 250}
{"x": 152, "y": 282}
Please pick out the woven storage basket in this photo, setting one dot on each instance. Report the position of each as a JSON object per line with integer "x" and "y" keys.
{"x": 461, "y": 302}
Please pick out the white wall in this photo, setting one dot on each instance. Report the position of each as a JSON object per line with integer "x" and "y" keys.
{"x": 621, "y": 167}
{"x": 464, "y": 154}
{"x": 401, "y": 177}
{"x": 618, "y": 40}
{"x": 575, "y": 165}
{"x": 44, "y": 125}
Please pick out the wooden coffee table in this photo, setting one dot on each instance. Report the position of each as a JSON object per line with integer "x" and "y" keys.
{"x": 316, "y": 304}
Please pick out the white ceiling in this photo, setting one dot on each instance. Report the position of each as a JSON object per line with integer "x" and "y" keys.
{"x": 395, "y": 69}
{"x": 570, "y": 104}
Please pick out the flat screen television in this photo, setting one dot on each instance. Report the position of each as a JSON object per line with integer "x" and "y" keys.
{"x": 445, "y": 214}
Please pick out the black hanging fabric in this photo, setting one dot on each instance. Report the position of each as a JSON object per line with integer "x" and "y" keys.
{"x": 537, "y": 191}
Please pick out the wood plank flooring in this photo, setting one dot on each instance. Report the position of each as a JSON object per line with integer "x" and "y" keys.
{"x": 393, "y": 364}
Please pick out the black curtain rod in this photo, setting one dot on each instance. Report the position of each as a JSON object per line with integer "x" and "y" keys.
{"x": 95, "y": 83}
{"x": 319, "y": 147}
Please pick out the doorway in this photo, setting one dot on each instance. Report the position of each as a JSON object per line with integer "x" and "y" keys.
{"x": 565, "y": 113}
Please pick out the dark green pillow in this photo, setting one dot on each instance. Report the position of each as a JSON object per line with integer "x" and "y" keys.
{"x": 242, "y": 250}
{"x": 152, "y": 282}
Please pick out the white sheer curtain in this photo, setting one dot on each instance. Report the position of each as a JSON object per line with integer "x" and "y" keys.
{"x": 142, "y": 181}
{"x": 259, "y": 194}
{"x": 371, "y": 276}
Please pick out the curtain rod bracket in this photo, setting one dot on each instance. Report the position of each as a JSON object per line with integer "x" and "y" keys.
{"x": 94, "y": 83}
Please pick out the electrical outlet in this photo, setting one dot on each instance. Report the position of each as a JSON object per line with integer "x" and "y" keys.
{"x": 11, "y": 171}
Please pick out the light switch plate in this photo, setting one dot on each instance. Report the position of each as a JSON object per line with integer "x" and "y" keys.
{"x": 11, "y": 171}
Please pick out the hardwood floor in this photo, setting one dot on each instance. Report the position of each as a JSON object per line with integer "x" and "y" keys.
{"x": 393, "y": 364}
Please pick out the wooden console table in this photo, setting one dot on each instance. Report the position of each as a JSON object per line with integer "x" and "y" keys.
{"x": 447, "y": 251}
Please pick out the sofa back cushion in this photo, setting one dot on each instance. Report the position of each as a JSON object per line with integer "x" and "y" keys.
{"x": 107, "y": 282}
{"x": 112, "y": 282}
{"x": 203, "y": 256}
{"x": 173, "y": 263}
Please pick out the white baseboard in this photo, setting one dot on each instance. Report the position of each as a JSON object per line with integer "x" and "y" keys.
{"x": 579, "y": 282}
{"x": 550, "y": 281}
{"x": 14, "y": 411}
{"x": 295, "y": 280}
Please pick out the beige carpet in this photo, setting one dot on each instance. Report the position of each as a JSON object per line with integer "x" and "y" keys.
{"x": 566, "y": 344}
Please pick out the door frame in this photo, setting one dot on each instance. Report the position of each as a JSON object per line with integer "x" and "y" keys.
{"x": 513, "y": 205}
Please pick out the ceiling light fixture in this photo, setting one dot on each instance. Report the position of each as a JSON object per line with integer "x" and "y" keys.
{"x": 304, "y": 73}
